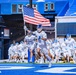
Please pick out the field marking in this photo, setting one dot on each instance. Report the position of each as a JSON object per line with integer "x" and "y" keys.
{"x": 58, "y": 70}
{"x": 13, "y": 67}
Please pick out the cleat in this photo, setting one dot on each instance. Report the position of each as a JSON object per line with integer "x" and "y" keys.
{"x": 31, "y": 60}
{"x": 49, "y": 64}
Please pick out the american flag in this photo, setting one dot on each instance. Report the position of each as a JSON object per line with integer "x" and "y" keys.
{"x": 32, "y": 16}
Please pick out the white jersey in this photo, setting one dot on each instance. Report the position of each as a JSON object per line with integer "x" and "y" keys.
{"x": 48, "y": 43}
{"x": 20, "y": 48}
{"x": 56, "y": 46}
{"x": 61, "y": 40}
{"x": 10, "y": 50}
{"x": 29, "y": 39}
{"x": 63, "y": 47}
{"x": 15, "y": 49}
{"x": 40, "y": 35}
{"x": 70, "y": 43}
{"x": 23, "y": 50}
{"x": 75, "y": 45}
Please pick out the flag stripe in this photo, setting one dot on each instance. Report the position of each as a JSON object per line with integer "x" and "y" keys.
{"x": 34, "y": 17}
{"x": 34, "y": 21}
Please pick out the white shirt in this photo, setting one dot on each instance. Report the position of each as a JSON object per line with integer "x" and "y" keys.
{"x": 29, "y": 39}
{"x": 40, "y": 35}
{"x": 56, "y": 45}
{"x": 70, "y": 42}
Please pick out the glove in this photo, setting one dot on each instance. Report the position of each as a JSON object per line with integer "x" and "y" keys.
{"x": 25, "y": 28}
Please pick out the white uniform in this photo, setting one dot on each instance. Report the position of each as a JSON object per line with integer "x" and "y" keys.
{"x": 49, "y": 47}
{"x": 61, "y": 40}
{"x": 30, "y": 41}
{"x": 22, "y": 52}
{"x": 41, "y": 43}
{"x": 10, "y": 52}
{"x": 25, "y": 50}
{"x": 48, "y": 43}
{"x": 20, "y": 49}
{"x": 75, "y": 47}
{"x": 52, "y": 52}
{"x": 15, "y": 50}
{"x": 56, "y": 48}
{"x": 65, "y": 51}
{"x": 74, "y": 54}
{"x": 70, "y": 45}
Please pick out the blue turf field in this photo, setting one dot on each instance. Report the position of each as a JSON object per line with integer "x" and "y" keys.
{"x": 37, "y": 69}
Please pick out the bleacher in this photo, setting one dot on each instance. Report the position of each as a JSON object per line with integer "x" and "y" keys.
{"x": 72, "y": 10}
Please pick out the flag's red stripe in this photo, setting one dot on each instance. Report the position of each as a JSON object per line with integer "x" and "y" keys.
{"x": 35, "y": 21}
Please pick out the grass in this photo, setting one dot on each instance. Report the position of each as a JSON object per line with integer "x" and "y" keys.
{"x": 34, "y": 63}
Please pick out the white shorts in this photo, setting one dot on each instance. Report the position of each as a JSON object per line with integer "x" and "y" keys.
{"x": 23, "y": 53}
{"x": 44, "y": 51}
{"x": 57, "y": 52}
{"x": 48, "y": 47}
{"x": 31, "y": 47}
{"x": 41, "y": 45}
{"x": 67, "y": 53}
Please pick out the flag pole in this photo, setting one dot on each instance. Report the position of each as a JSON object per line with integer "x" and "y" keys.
{"x": 30, "y": 3}
{"x": 25, "y": 28}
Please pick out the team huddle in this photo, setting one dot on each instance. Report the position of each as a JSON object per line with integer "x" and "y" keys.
{"x": 44, "y": 50}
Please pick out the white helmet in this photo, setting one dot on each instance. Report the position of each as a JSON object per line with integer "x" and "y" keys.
{"x": 39, "y": 28}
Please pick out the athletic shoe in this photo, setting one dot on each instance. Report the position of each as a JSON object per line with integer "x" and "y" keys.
{"x": 31, "y": 60}
{"x": 49, "y": 64}
{"x": 41, "y": 60}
